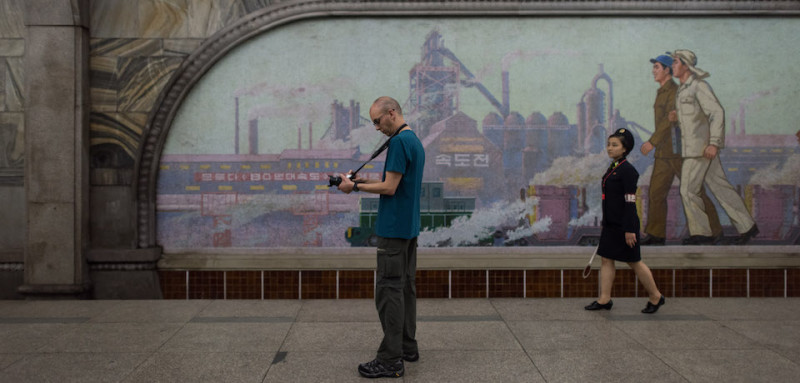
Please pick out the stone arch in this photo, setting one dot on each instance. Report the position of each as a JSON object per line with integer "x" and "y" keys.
{"x": 284, "y": 12}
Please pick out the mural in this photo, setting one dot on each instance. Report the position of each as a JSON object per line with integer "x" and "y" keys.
{"x": 513, "y": 114}
{"x": 12, "y": 147}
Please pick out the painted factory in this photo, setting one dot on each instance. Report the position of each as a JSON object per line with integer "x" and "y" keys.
{"x": 470, "y": 165}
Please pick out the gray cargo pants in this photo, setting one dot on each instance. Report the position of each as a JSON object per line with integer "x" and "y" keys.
{"x": 396, "y": 297}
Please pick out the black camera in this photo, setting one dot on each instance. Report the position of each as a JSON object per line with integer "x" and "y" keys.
{"x": 335, "y": 180}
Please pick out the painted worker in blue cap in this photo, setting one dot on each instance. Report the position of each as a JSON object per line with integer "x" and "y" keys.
{"x": 668, "y": 161}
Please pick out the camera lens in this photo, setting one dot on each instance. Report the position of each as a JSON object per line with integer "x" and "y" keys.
{"x": 334, "y": 181}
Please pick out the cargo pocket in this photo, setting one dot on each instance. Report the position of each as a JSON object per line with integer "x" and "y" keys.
{"x": 390, "y": 263}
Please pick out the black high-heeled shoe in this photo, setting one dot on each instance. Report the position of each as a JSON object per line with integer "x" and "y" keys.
{"x": 652, "y": 308}
{"x": 598, "y": 306}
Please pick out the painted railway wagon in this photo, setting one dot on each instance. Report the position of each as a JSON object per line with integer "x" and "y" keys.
{"x": 774, "y": 208}
{"x": 284, "y": 173}
{"x": 436, "y": 211}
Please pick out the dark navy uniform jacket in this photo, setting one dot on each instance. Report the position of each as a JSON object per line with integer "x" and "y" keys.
{"x": 619, "y": 198}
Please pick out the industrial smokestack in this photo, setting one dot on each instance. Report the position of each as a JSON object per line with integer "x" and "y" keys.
{"x": 236, "y": 135}
{"x": 749, "y": 100}
{"x": 310, "y": 140}
{"x": 299, "y": 138}
{"x": 253, "y": 136}
{"x": 742, "y": 131}
{"x": 354, "y": 124}
{"x": 583, "y": 130}
{"x": 506, "y": 102}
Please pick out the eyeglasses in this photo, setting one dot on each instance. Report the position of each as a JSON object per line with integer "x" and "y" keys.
{"x": 378, "y": 120}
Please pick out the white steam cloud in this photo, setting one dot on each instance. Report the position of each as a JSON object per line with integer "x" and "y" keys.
{"x": 365, "y": 137}
{"x": 577, "y": 171}
{"x": 583, "y": 172}
{"x": 788, "y": 174}
{"x": 501, "y": 215}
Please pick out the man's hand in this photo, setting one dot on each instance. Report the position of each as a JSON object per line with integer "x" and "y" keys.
{"x": 347, "y": 184}
{"x": 357, "y": 178}
{"x": 710, "y": 152}
{"x": 647, "y": 147}
{"x": 673, "y": 116}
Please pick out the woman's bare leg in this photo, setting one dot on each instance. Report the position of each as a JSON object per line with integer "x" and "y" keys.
{"x": 607, "y": 272}
{"x": 646, "y": 277}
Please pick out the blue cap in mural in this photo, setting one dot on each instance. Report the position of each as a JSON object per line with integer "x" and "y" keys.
{"x": 663, "y": 59}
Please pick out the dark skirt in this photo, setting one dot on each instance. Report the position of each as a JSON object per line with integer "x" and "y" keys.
{"x": 613, "y": 246}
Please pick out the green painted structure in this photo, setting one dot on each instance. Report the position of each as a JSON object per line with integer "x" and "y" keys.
{"x": 436, "y": 211}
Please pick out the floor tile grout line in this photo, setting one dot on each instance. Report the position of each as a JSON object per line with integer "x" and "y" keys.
{"x": 616, "y": 325}
{"x": 285, "y": 338}
{"x": 761, "y": 345}
{"x": 18, "y": 360}
{"x": 156, "y": 351}
{"x": 516, "y": 339}
{"x": 60, "y": 335}
{"x": 136, "y": 368}
{"x": 504, "y": 304}
{"x": 183, "y": 325}
{"x": 778, "y": 351}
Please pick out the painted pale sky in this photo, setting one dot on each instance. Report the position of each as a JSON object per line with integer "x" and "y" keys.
{"x": 290, "y": 76}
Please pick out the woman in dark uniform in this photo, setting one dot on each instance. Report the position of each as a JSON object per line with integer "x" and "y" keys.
{"x": 619, "y": 239}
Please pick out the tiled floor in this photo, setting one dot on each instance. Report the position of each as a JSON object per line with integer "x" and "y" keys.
{"x": 464, "y": 340}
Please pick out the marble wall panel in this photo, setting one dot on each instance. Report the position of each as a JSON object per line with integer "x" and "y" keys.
{"x": 11, "y": 19}
{"x": 136, "y": 46}
{"x": 2, "y": 86}
{"x": 49, "y": 255}
{"x": 12, "y": 221}
{"x": 12, "y": 142}
{"x": 50, "y": 115}
{"x": 181, "y": 47}
{"x": 181, "y": 18}
{"x": 48, "y": 12}
{"x": 126, "y": 47}
{"x": 52, "y": 180}
{"x": 105, "y": 67}
{"x": 164, "y": 18}
{"x": 14, "y": 81}
{"x": 141, "y": 80}
{"x": 114, "y": 18}
{"x": 123, "y": 129}
{"x": 12, "y": 47}
{"x": 208, "y": 17}
{"x": 103, "y": 83}
{"x": 247, "y": 6}
{"x": 232, "y": 10}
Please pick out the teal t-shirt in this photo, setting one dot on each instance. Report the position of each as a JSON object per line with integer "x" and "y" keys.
{"x": 398, "y": 215}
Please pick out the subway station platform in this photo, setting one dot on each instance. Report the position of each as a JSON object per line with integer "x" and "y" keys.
{"x": 461, "y": 340}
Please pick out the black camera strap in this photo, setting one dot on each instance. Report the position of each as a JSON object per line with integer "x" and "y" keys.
{"x": 379, "y": 150}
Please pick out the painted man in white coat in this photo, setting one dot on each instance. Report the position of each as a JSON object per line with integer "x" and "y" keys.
{"x": 702, "y": 122}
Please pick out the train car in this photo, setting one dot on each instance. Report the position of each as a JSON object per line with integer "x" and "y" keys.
{"x": 774, "y": 208}
{"x": 436, "y": 211}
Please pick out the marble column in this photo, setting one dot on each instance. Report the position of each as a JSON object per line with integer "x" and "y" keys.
{"x": 56, "y": 148}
